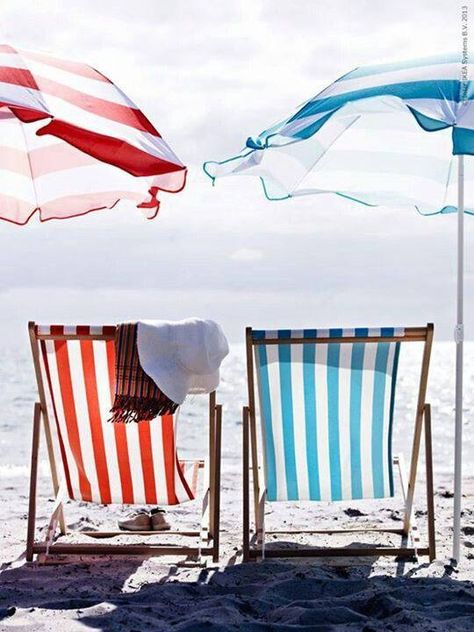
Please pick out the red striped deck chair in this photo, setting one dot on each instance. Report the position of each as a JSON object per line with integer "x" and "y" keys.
{"x": 325, "y": 402}
{"x": 96, "y": 461}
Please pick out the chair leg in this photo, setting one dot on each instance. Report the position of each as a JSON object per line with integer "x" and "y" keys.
{"x": 30, "y": 536}
{"x": 212, "y": 446}
{"x": 429, "y": 484}
{"x": 260, "y": 523}
{"x": 246, "y": 486}
{"x": 413, "y": 471}
{"x": 217, "y": 484}
{"x": 54, "y": 469}
{"x": 53, "y": 525}
{"x": 206, "y": 517}
{"x": 259, "y": 519}
{"x": 412, "y": 532}
{"x": 254, "y": 461}
{"x": 204, "y": 536}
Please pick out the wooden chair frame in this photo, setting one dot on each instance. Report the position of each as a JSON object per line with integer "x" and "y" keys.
{"x": 256, "y": 549}
{"x": 208, "y": 535}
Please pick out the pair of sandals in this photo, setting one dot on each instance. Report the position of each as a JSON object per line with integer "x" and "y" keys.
{"x": 143, "y": 520}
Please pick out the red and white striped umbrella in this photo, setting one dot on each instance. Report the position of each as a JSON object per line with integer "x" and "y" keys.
{"x": 72, "y": 142}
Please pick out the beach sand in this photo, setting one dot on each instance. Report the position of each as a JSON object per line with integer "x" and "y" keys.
{"x": 124, "y": 593}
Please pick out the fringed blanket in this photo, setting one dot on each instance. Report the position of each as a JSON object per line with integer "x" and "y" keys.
{"x": 137, "y": 397}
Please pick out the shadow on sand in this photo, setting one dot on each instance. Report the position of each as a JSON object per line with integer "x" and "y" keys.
{"x": 274, "y": 595}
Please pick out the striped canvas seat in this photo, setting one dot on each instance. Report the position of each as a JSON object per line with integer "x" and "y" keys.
{"x": 105, "y": 462}
{"x": 326, "y": 413}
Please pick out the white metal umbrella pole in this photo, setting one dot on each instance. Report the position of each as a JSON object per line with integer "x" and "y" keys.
{"x": 459, "y": 338}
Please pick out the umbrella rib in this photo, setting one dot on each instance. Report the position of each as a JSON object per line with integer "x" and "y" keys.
{"x": 356, "y": 118}
{"x": 37, "y": 208}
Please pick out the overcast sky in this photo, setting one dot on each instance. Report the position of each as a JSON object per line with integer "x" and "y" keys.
{"x": 208, "y": 75}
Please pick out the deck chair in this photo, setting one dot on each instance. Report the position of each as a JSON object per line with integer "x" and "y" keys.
{"x": 326, "y": 407}
{"x": 97, "y": 461}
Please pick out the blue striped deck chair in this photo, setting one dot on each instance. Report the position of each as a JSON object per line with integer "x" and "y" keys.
{"x": 325, "y": 402}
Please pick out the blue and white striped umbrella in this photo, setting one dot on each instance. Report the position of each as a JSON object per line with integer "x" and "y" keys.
{"x": 364, "y": 137}
{"x": 384, "y": 135}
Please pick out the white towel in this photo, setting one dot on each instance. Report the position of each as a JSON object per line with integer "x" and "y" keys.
{"x": 182, "y": 356}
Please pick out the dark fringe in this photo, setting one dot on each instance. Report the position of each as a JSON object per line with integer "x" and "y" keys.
{"x": 127, "y": 409}
{"x": 137, "y": 397}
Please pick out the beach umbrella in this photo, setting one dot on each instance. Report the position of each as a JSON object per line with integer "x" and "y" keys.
{"x": 71, "y": 142}
{"x": 391, "y": 135}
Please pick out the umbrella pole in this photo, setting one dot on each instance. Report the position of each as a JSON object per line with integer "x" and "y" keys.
{"x": 459, "y": 337}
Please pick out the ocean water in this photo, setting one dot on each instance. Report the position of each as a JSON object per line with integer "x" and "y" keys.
{"x": 18, "y": 394}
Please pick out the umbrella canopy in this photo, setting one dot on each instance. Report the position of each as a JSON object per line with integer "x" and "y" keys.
{"x": 364, "y": 138}
{"x": 73, "y": 142}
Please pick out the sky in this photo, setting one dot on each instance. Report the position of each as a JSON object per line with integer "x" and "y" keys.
{"x": 208, "y": 75}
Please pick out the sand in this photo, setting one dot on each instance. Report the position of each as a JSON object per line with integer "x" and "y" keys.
{"x": 160, "y": 594}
